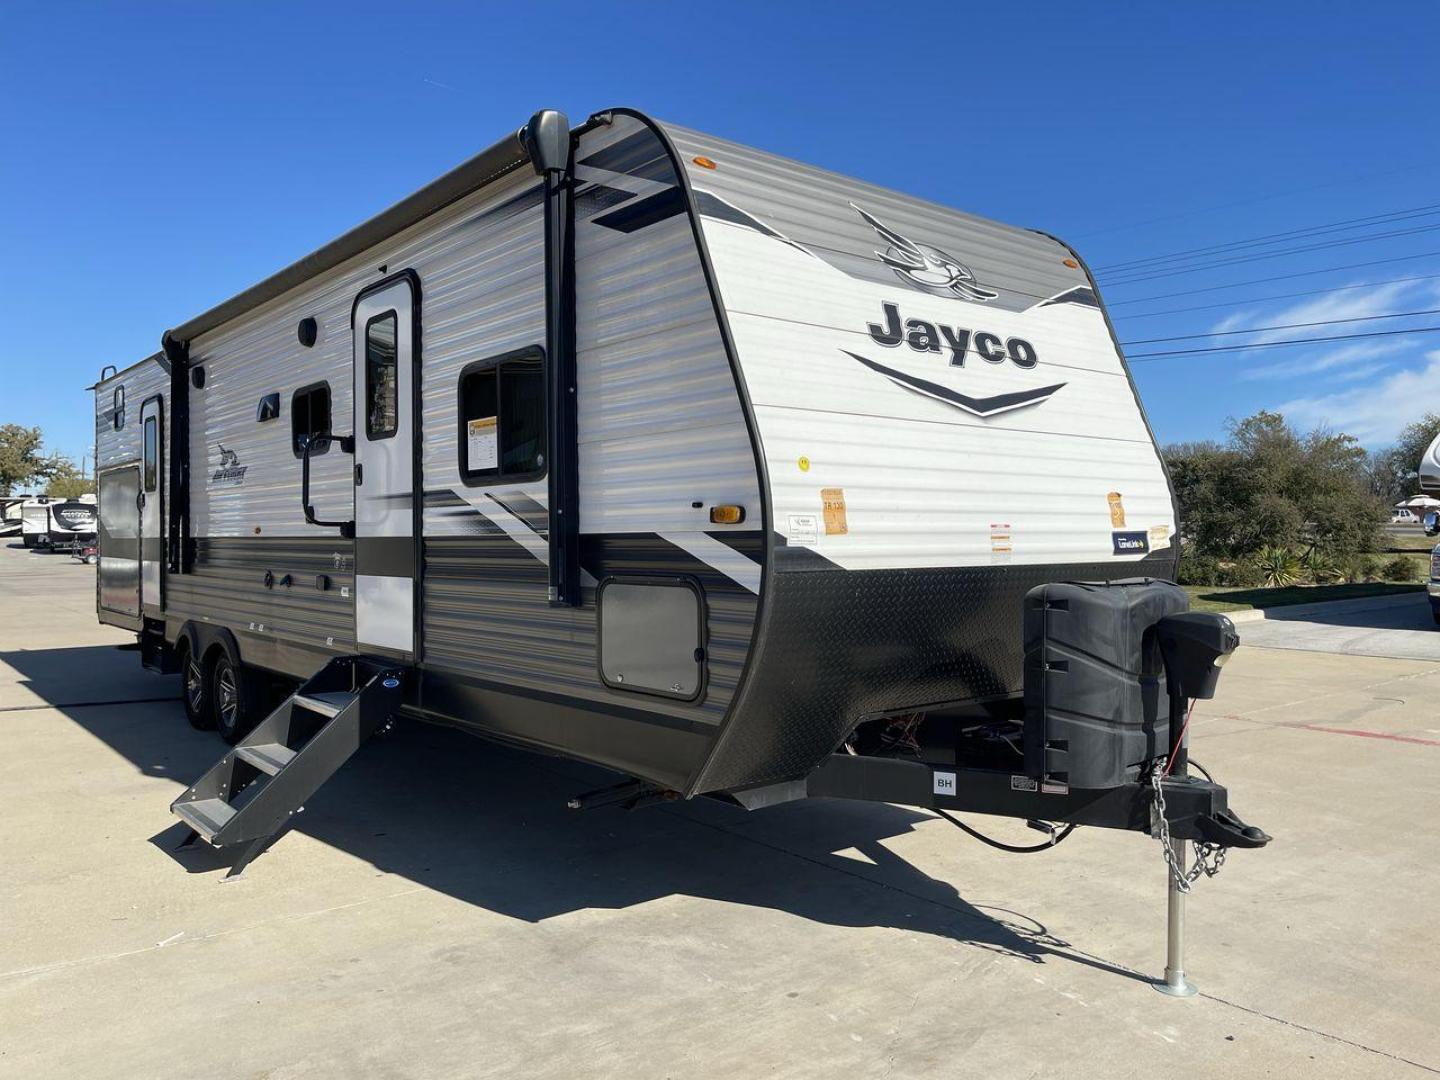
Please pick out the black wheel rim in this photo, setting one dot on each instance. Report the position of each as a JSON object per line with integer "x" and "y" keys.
{"x": 194, "y": 684}
{"x": 228, "y": 696}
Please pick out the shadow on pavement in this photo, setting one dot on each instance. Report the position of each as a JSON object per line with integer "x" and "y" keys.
{"x": 488, "y": 825}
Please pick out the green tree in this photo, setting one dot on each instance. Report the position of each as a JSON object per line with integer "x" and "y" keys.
{"x": 1268, "y": 486}
{"x": 66, "y": 482}
{"x": 1395, "y": 471}
{"x": 22, "y": 458}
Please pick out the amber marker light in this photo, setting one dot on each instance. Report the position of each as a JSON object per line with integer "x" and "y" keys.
{"x": 1071, "y": 263}
{"x": 703, "y": 162}
{"x": 727, "y": 515}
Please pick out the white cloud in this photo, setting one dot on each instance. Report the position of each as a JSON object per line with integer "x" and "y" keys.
{"x": 1354, "y": 358}
{"x": 1350, "y": 304}
{"x": 1376, "y": 412}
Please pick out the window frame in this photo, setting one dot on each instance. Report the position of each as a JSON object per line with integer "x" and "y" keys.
{"x": 310, "y": 388}
{"x": 117, "y": 407}
{"x": 390, "y": 433}
{"x": 481, "y": 477}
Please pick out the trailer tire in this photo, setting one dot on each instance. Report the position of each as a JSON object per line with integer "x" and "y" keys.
{"x": 195, "y": 687}
{"x": 236, "y": 694}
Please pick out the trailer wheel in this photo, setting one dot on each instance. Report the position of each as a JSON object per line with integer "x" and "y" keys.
{"x": 196, "y": 687}
{"x": 236, "y": 697}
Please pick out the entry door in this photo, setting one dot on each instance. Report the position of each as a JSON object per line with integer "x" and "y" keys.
{"x": 151, "y": 501}
{"x": 385, "y": 441}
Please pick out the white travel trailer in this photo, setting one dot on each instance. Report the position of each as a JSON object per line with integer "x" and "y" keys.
{"x": 640, "y": 446}
{"x": 72, "y": 520}
{"x": 35, "y": 521}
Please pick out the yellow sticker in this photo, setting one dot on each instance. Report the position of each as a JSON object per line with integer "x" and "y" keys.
{"x": 833, "y": 500}
{"x": 1117, "y": 510}
{"x": 804, "y": 463}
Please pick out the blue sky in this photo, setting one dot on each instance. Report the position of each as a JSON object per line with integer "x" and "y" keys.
{"x": 162, "y": 157}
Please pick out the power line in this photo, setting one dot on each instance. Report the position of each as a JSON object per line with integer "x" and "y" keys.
{"x": 1274, "y": 254}
{"x": 1277, "y": 296}
{"x": 1275, "y": 277}
{"x": 1138, "y": 357}
{"x": 1199, "y": 210}
{"x": 1283, "y": 326}
{"x": 1269, "y": 238}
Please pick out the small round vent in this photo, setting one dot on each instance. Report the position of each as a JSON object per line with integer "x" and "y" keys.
{"x": 308, "y": 331}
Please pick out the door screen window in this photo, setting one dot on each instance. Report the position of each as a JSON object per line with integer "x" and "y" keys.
{"x": 382, "y": 386}
{"x": 150, "y": 453}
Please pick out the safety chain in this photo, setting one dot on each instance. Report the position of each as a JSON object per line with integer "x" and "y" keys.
{"x": 1209, "y": 858}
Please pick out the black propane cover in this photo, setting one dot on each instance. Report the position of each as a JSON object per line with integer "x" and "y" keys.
{"x": 1096, "y": 707}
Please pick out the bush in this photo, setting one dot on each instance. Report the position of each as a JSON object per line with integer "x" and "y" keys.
{"x": 1401, "y": 568}
{"x": 1279, "y": 567}
{"x": 1244, "y": 574}
{"x": 1198, "y": 570}
{"x": 1322, "y": 568}
{"x": 1359, "y": 568}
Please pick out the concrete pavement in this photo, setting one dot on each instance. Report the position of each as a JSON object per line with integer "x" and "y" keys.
{"x": 438, "y": 912}
{"x": 1396, "y": 626}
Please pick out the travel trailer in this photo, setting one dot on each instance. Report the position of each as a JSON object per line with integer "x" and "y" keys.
{"x": 12, "y": 521}
{"x": 72, "y": 521}
{"x": 35, "y": 521}
{"x": 646, "y": 448}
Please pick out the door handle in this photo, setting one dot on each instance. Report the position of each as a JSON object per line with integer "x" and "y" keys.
{"x": 140, "y": 501}
{"x": 309, "y": 442}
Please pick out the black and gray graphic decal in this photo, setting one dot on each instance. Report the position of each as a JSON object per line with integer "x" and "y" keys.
{"x": 925, "y": 267}
{"x": 1081, "y": 295}
{"x": 976, "y": 406}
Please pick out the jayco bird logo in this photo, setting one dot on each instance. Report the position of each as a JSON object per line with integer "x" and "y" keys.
{"x": 230, "y": 472}
{"x": 925, "y": 267}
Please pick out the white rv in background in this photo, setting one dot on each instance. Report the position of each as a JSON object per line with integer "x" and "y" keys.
{"x": 35, "y": 521}
{"x": 639, "y": 446}
{"x": 72, "y": 520}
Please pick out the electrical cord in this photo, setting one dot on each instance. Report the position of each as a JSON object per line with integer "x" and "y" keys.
{"x": 1014, "y": 849}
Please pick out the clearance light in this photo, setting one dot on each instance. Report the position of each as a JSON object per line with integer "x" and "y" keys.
{"x": 703, "y": 162}
{"x": 1071, "y": 263}
{"x": 727, "y": 515}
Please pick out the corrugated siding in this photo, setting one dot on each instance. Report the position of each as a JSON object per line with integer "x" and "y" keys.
{"x": 141, "y": 381}
{"x": 924, "y": 483}
{"x": 659, "y": 420}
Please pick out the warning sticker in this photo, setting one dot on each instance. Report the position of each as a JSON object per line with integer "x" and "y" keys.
{"x": 1001, "y": 542}
{"x": 1023, "y": 783}
{"x": 1159, "y": 537}
{"x": 482, "y": 444}
{"x": 804, "y": 530}
{"x": 1117, "y": 510}
{"x": 833, "y": 500}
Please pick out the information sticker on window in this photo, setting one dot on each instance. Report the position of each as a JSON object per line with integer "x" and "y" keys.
{"x": 482, "y": 444}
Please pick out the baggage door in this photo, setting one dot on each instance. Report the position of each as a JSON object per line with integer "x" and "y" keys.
{"x": 385, "y": 442}
{"x": 151, "y": 501}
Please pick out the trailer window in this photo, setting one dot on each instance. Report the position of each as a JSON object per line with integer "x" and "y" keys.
{"x": 117, "y": 413}
{"x": 382, "y": 387}
{"x": 502, "y": 417}
{"x": 150, "y": 453}
{"x": 310, "y": 416}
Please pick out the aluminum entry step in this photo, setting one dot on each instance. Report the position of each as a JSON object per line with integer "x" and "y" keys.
{"x": 269, "y": 758}
{"x": 327, "y": 705}
{"x": 206, "y": 816}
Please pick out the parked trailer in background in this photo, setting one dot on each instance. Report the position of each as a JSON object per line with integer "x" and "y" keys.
{"x": 639, "y": 446}
{"x": 72, "y": 521}
{"x": 35, "y": 521}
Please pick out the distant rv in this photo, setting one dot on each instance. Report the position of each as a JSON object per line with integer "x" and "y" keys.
{"x": 46, "y": 522}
